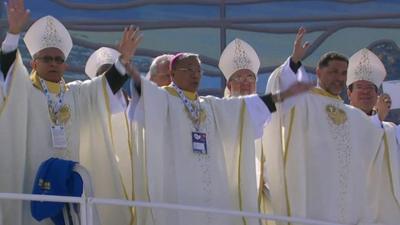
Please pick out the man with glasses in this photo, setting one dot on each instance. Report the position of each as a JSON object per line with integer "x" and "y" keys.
{"x": 64, "y": 120}
{"x": 196, "y": 150}
{"x": 239, "y": 63}
{"x": 365, "y": 75}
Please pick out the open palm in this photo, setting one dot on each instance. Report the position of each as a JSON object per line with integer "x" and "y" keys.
{"x": 17, "y": 16}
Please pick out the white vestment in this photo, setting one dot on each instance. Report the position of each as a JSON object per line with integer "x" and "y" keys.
{"x": 320, "y": 156}
{"x": 120, "y": 131}
{"x": 388, "y": 183}
{"x": 167, "y": 170}
{"x": 13, "y": 121}
{"x": 388, "y": 180}
{"x": 87, "y": 133}
{"x": 103, "y": 153}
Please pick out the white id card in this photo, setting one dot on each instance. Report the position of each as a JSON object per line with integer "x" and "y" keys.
{"x": 58, "y": 136}
{"x": 199, "y": 142}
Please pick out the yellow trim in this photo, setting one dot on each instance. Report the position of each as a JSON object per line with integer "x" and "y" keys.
{"x": 286, "y": 148}
{"x": 322, "y": 92}
{"x": 52, "y": 86}
{"x": 190, "y": 95}
{"x": 134, "y": 222}
{"x": 3, "y": 106}
{"x": 130, "y": 147}
{"x": 145, "y": 173}
{"x": 292, "y": 114}
{"x": 146, "y": 182}
{"x": 261, "y": 185}
{"x": 242, "y": 112}
{"x": 108, "y": 107}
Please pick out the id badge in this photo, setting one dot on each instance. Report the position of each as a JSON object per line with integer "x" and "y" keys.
{"x": 199, "y": 142}
{"x": 58, "y": 136}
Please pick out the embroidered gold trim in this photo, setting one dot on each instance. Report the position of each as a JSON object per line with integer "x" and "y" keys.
{"x": 322, "y": 92}
{"x": 108, "y": 107}
{"x": 242, "y": 113}
{"x": 337, "y": 115}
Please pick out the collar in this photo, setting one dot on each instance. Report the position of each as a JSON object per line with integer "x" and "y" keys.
{"x": 320, "y": 91}
{"x": 53, "y": 87}
{"x": 190, "y": 95}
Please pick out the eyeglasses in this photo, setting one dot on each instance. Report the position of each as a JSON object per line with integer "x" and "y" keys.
{"x": 241, "y": 79}
{"x": 50, "y": 59}
{"x": 190, "y": 70}
{"x": 365, "y": 87}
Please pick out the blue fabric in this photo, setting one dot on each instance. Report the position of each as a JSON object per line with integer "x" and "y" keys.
{"x": 55, "y": 177}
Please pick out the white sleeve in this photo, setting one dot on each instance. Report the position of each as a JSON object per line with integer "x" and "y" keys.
{"x": 10, "y": 43}
{"x": 289, "y": 77}
{"x": 376, "y": 121}
{"x": 286, "y": 79}
{"x": 259, "y": 113}
{"x": 121, "y": 68}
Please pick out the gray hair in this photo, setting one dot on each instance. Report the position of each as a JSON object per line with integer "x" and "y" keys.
{"x": 156, "y": 61}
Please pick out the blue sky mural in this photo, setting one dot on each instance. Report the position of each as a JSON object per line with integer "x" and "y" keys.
{"x": 206, "y": 26}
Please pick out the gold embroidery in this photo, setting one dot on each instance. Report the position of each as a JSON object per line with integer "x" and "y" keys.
{"x": 337, "y": 115}
{"x": 240, "y": 59}
{"x": 51, "y": 37}
{"x": 63, "y": 115}
{"x": 322, "y": 92}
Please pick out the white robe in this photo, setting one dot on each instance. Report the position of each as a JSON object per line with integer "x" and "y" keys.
{"x": 103, "y": 144}
{"x": 167, "y": 170}
{"x": 320, "y": 167}
{"x": 388, "y": 180}
{"x": 88, "y": 139}
{"x": 120, "y": 131}
{"x": 13, "y": 136}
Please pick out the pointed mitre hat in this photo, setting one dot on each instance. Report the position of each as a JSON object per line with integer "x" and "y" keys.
{"x": 100, "y": 57}
{"x": 48, "y": 32}
{"x": 365, "y": 65}
{"x": 236, "y": 56}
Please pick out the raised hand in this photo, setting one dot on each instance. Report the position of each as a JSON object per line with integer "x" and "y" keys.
{"x": 299, "y": 49}
{"x": 129, "y": 43}
{"x": 17, "y": 16}
{"x": 383, "y": 105}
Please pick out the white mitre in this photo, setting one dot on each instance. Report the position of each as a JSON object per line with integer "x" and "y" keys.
{"x": 236, "y": 56}
{"x": 100, "y": 57}
{"x": 365, "y": 65}
{"x": 48, "y": 32}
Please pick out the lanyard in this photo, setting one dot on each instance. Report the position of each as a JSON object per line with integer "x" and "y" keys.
{"x": 54, "y": 105}
{"x": 194, "y": 109}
